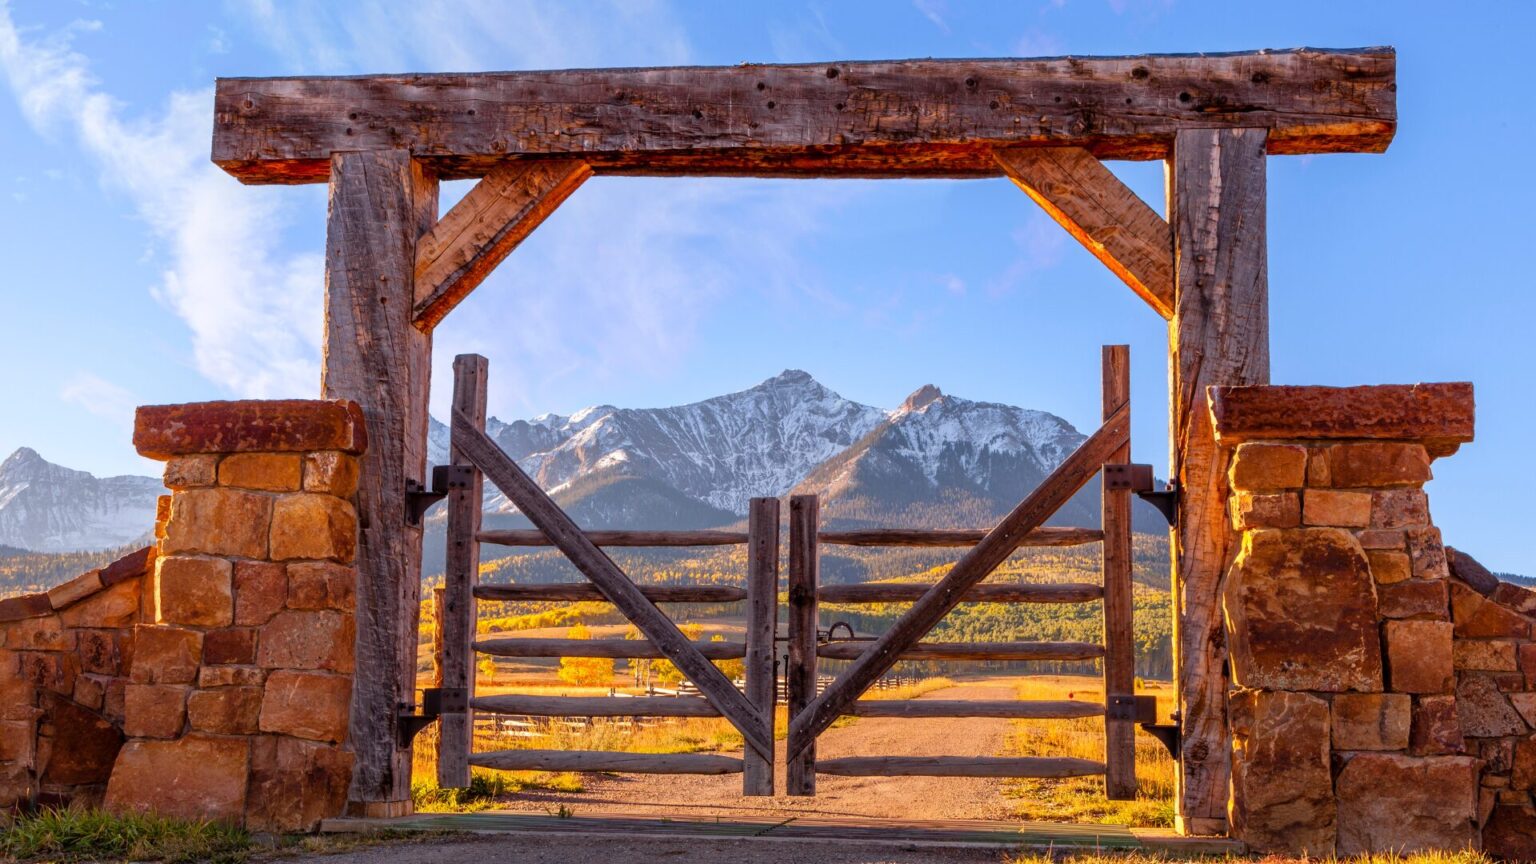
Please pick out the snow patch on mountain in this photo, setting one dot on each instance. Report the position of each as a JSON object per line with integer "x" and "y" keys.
{"x": 49, "y": 508}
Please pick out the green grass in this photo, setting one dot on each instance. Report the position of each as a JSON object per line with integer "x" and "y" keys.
{"x": 91, "y": 835}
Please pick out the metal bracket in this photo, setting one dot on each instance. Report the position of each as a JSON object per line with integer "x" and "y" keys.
{"x": 435, "y": 701}
{"x": 1137, "y": 709}
{"x": 1137, "y": 478}
{"x": 445, "y": 479}
{"x": 1168, "y": 733}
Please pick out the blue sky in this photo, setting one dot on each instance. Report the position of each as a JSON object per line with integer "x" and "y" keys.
{"x": 135, "y": 272}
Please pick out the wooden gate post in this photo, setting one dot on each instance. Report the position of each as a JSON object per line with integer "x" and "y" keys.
{"x": 1119, "y": 638}
{"x": 1219, "y": 335}
{"x": 381, "y": 202}
{"x": 800, "y": 677}
{"x": 461, "y": 574}
{"x": 762, "y": 623}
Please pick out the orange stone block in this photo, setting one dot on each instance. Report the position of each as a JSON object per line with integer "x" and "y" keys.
{"x": 230, "y": 676}
{"x": 195, "y": 591}
{"x": 307, "y": 640}
{"x": 165, "y": 655}
{"x": 1265, "y": 467}
{"x": 190, "y": 472}
{"x": 218, "y": 521}
{"x": 249, "y": 426}
{"x": 1378, "y": 464}
{"x": 330, "y": 472}
{"x": 295, "y": 784}
{"x": 322, "y": 585}
{"x": 273, "y": 472}
{"x": 261, "y": 587}
{"x": 1439, "y": 416}
{"x": 310, "y": 705}
{"x": 227, "y": 710}
{"x": 1329, "y": 507}
{"x": 308, "y": 525}
{"x": 200, "y": 777}
{"x": 1419, "y": 656}
{"x": 1252, "y": 510}
{"x": 154, "y": 710}
{"x": 1389, "y": 566}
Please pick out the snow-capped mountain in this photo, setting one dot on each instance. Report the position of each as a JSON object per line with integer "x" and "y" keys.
{"x": 49, "y": 508}
{"x": 699, "y": 463}
{"x": 944, "y": 461}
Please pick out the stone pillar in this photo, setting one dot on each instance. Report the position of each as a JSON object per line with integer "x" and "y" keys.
{"x": 237, "y": 702}
{"x": 1338, "y": 615}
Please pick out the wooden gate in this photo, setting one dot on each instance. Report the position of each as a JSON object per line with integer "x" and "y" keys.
{"x": 474, "y": 454}
{"x": 812, "y": 713}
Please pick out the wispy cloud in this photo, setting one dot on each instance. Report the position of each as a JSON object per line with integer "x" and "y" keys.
{"x": 101, "y": 398}
{"x": 252, "y": 308}
{"x": 934, "y": 11}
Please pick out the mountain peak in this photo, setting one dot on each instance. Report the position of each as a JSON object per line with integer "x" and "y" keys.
{"x": 24, "y": 456}
{"x": 921, "y": 398}
{"x": 791, "y": 378}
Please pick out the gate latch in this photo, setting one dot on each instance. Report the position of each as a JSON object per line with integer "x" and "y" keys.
{"x": 435, "y": 702}
{"x": 445, "y": 479}
{"x": 1138, "y": 478}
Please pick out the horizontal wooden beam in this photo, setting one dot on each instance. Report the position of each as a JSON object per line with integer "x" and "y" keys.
{"x": 959, "y": 766}
{"x": 956, "y": 538}
{"x": 484, "y": 227}
{"x": 891, "y": 118}
{"x": 596, "y": 706}
{"x": 525, "y": 537}
{"x": 585, "y": 592}
{"x": 1102, "y": 213}
{"x": 605, "y": 760}
{"x": 616, "y": 648}
{"x": 911, "y": 592}
{"x": 1017, "y": 709}
{"x": 1020, "y": 651}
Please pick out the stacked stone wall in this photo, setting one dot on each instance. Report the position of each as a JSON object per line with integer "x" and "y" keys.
{"x": 210, "y": 676}
{"x": 1383, "y": 684}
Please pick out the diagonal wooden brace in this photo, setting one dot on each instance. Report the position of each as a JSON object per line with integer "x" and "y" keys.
{"x": 947, "y": 593}
{"x": 623, "y": 593}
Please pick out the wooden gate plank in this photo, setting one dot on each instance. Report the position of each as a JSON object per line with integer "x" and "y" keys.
{"x": 1119, "y": 639}
{"x": 1104, "y": 215}
{"x": 800, "y": 676}
{"x": 762, "y": 623}
{"x": 949, "y": 592}
{"x": 1219, "y": 335}
{"x": 542, "y": 511}
{"x": 460, "y": 575}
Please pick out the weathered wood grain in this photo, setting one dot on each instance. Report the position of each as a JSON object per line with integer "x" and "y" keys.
{"x": 945, "y": 595}
{"x": 1219, "y": 335}
{"x": 1009, "y": 708}
{"x": 952, "y": 537}
{"x": 800, "y": 676}
{"x": 909, "y": 592}
{"x": 926, "y": 117}
{"x": 762, "y": 624}
{"x": 1100, "y": 212}
{"x": 595, "y": 706}
{"x": 618, "y": 649}
{"x": 603, "y": 760}
{"x": 960, "y": 766}
{"x": 380, "y": 203}
{"x": 525, "y": 537}
{"x": 483, "y": 228}
{"x": 584, "y": 592}
{"x": 542, "y": 511}
{"x": 461, "y": 573}
{"x": 1013, "y": 651}
{"x": 1119, "y": 626}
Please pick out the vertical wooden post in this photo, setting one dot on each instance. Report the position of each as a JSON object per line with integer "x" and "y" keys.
{"x": 437, "y": 637}
{"x": 1119, "y": 639}
{"x": 800, "y": 677}
{"x": 381, "y": 202}
{"x": 460, "y": 575}
{"x": 1219, "y": 335}
{"x": 762, "y": 622}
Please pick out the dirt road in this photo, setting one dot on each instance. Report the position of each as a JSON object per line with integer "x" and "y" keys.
{"x": 911, "y": 798}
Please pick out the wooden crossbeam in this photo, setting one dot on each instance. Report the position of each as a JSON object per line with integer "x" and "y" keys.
{"x": 887, "y": 118}
{"x": 1102, "y": 213}
{"x": 950, "y": 591}
{"x": 545, "y": 515}
{"x": 483, "y": 229}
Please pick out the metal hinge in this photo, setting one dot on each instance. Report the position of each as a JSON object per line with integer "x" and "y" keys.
{"x": 1138, "y": 478}
{"x": 445, "y": 479}
{"x": 1137, "y": 709}
{"x": 435, "y": 702}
